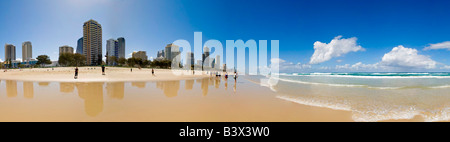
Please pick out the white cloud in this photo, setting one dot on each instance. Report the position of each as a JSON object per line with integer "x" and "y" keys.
{"x": 19, "y": 59}
{"x": 357, "y": 66}
{"x": 336, "y": 48}
{"x": 407, "y": 58}
{"x": 442, "y": 45}
{"x": 285, "y": 66}
{"x": 398, "y": 58}
{"x": 1, "y": 60}
{"x": 338, "y": 61}
{"x": 445, "y": 67}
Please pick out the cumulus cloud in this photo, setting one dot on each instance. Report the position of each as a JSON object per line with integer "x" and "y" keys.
{"x": 407, "y": 58}
{"x": 398, "y": 58}
{"x": 442, "y": 45}
{"x": 336, "y": 48}
{"x": 357, "y": 66}
{"x": 285, "y": 66}
{"x": 1, "y": 60}
{"x": 445, "y": 67}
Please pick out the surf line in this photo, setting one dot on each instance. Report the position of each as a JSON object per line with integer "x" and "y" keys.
{"x": 196, "y": 132}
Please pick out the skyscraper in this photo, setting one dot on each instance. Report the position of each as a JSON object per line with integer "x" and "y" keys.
{"x": 112, "y": 48}
{"x": 168, "y": 50}
{"x": 80, "y": 46}
{"x": 160, "y": 54}
{"x": 92, "y": 42}
{"x": 205, "y": 57}
{"x": 171, "y": 51}
{"x": 10, "y": 52}
{"x": 217, "y": 62}
{"x": 189, "y": 58}
{"x": 121, "y": 47}
{"x": 65, "y": 49}
{"x": 26, "y": 51}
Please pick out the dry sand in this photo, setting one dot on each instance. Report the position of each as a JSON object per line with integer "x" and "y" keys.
{"x": 94, "y": 74}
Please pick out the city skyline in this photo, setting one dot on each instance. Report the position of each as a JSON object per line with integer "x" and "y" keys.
{"x": 383, "y": 29}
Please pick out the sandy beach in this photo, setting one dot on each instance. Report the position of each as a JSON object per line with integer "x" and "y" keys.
{"x": 94, "y": 74}
{"x": 121, "y": 95}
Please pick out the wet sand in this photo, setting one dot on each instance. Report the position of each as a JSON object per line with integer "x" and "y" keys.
{"x": 190, "y": 98}
{"x": 207, "y": 99}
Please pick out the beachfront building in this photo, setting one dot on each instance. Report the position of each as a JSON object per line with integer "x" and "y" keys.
{"x": 120, "y": 47}
{"x": 217, "y": 62}
{"x": 199, "y": 62}
{"x": 205, "y": 57}
{"x": 189, "y": 59}
{"x": 140, "y": 54}
{"x": 26, "y": 51}
{"x": 171, "y": 51}
{"x": 65, "y": 49}
{"x": 80, "y": 46}
{"x": 92, "y": 42}
{"x": 160, "y": 54}
{"x": 10, "y": 52}
{"x": 112, "y": 47}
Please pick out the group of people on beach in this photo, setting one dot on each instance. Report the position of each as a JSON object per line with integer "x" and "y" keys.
{"x": 218, "y": 75}
{"x": 103, "y": 71}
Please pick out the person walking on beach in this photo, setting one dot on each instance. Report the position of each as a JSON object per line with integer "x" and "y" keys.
{"x": 153, "y": 72}
{"x": 131, "y": 69}
{"x": 103, "y": 69}
{"x": 235, "y": 76}
{"x": 76, "y": 73}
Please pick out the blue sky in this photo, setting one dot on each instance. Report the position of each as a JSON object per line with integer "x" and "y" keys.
{"x": 377, "y": 27}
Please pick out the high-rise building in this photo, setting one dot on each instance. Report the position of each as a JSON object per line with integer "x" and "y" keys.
{"x": 80, "y": 46}
{"x": 65, "y": 49}
{"x": 10, "y": 52}
{"x": 168, "y": 50}
{"x": 121, "y": 47}
{"x": 190, "y": 58}
{"x": 160, "y": 54}
{"x": 205, "y": 57}
{"x": 217, "y": 62}
{"x": 26, "y": 51}
{"x": 140, "y": 54}
{"x": 171, "y": 51}
{"x": 112, "y": 48}
{"x": 92, "y": 42}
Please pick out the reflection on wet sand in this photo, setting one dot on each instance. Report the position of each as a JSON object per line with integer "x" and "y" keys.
{"x": 170, "y": 88}
{"x": 43, "y": 83}
{"x": 115, "y": 89}
{"x": 205, "y": 83}
{"x": 28, "y": 90}
{"x": 66, "y": 87}
{"x": 92, "y": 94}
{"x": 138, "y": 84}
{"x": 11, "y": 88}
{"x": 216, "y": 82}
{"x": 189, "y": 84}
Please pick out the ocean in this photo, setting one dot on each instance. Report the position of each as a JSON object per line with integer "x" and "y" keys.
{"x": 370, "y": 96}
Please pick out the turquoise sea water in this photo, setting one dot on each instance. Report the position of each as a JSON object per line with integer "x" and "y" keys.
{"x": 372, "y": 80}
{"x": 369, "y": 96}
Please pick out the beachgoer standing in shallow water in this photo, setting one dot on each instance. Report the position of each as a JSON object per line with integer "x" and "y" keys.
{"x": 76, "y": 73}
{"x": 103, "y": 69}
